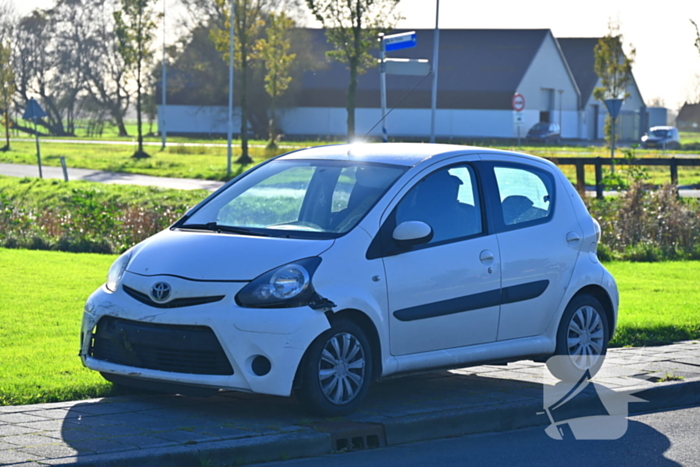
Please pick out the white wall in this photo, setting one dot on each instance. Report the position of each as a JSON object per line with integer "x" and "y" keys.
{"x": 196, "y": 119}
{"x": 548, "y": 71}
{"x": 450, "y": 123}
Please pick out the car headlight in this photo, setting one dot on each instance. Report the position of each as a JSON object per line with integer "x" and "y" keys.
{"x": 283, "y": 287}
{"x": 116, "y": 271}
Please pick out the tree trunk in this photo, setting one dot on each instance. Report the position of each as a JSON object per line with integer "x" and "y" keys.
{"x": 352, "y": 95}
{"x": 7, "y": 128}
{"x": 245, "y": 157}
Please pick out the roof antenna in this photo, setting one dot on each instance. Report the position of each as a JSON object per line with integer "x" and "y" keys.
{"x": 397, "y": 104}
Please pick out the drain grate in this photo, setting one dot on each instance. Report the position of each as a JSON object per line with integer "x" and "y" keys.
{"x": 352, "y": 436}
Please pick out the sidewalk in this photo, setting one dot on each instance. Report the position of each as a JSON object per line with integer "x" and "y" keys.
{"x": 23, "y": 170}
{"x": 234, "y": 428}
{"x": 121, "y": 178}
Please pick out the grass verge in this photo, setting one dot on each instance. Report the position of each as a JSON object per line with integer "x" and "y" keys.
{"x": 43, "y": 294}
{"x": 209, "y": 163}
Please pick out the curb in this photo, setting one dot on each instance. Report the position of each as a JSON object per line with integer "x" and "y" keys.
{"x": 303, "y": 443}
{"x": 400, "y": 430}
{"x": 517, "y": 415}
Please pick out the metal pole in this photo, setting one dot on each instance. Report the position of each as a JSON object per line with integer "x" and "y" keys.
{"x": 163, "y": 130}
{"x": 230, "y": 93}
{"x": 436, "y": 50}
{"x": 64, "y": 167}
{"x": 382, "y": 85}
{"x": 38, "y": 149}
{"x": 561, "y": 98}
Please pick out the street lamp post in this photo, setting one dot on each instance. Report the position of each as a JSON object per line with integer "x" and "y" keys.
{"x": 163, "y": 130}
{"x": 561, "y": 97}
{"x": 230, "y": 93}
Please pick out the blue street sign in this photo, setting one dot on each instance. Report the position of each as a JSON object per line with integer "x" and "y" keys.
{"x": 405, "y": 40}
{"x": 33, "y": 110}
{"x": 614, "y": 106}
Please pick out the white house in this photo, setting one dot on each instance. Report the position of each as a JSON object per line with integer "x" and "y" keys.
{"x": 479, "y": 72}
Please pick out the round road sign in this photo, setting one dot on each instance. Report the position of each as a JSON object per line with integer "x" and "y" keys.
{"x": 518, "y": 102}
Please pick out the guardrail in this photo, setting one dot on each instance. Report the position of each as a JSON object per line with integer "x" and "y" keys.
{"x": 598, "y": 162}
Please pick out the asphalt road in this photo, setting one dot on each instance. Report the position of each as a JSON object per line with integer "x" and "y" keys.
{"x": 661, "y": 438}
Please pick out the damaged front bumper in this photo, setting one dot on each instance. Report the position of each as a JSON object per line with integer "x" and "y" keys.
{"x": 258, "y": 350}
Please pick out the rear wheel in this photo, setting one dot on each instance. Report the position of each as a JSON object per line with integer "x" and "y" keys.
{"x": 582, "y": 339}
{"x": 336, "y": 371}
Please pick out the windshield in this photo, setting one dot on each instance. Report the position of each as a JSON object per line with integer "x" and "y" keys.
{"x": 542, "y": 126}
{"x": 659, "y": 133}
{"x": 298, "y": 198}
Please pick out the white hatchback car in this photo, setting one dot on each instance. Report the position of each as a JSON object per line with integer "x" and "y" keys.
{"x": 324, "y": 269}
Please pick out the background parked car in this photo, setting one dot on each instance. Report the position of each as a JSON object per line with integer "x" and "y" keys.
{"x": 661, "y": 137}
{"x": 544, "y": 132}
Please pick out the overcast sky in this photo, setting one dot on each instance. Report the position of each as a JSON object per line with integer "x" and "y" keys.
{"x": 667, "y": 64}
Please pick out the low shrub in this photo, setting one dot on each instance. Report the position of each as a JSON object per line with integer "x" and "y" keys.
{"x": 85, "y": 217}
{"x": 645, "y": 225}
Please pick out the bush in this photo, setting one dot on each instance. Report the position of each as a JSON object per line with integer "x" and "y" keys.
{"x": 645, "y": 225}
{"x": 85, "y": 217}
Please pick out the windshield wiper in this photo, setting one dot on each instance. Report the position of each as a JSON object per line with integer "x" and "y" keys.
{"x": 214, "y": 227}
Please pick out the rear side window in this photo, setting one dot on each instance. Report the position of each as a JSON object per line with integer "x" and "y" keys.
{"x": 526, "y": 196}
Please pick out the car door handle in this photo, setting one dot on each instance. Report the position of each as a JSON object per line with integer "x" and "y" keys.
{"x": 573, "y": 237}
{"x": 486, "y": 256}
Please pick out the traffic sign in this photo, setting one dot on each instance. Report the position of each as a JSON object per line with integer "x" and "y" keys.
{"x": 407, "y": 66}
{"x": 405, "y": 40}
{"x": 614, "y": 106}
{"x": 518, "y": 102}
{"x": 33, "y": 110}
{"x": 518, "y": 118}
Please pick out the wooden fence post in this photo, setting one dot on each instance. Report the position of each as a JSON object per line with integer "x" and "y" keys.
{"x": 598, "y": 178}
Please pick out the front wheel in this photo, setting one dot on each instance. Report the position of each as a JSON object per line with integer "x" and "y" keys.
{"x": 582, "y": 339}
{"x": 336, "y": 371}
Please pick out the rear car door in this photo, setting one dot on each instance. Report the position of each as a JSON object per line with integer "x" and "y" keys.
{"x": 539, "y": 239}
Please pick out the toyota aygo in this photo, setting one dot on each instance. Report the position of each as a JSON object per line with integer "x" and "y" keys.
{"x": 325, "y": 269}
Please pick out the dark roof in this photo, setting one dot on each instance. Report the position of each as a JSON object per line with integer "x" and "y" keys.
{"x": 689, "y": 113}
{"x": 479, "y": 69}
{"x": 579, "y": 55}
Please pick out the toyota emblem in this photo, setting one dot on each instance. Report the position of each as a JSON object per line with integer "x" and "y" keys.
{"x": 160, "y": 291}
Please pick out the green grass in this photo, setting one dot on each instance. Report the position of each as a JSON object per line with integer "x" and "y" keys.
{"x": 43, "y": 294}
{"x": 658, "y": 302}
{"x": 38, "y": 194}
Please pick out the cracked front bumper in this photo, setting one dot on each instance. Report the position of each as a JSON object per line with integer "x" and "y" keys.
{"x": 280, "y": 335}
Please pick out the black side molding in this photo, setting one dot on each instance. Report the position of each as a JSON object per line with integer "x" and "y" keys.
{"x": 513, "y": 294}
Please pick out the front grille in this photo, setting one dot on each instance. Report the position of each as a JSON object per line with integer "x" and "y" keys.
{"x": 164, "y": 347}
{"x": 177, "y": 303}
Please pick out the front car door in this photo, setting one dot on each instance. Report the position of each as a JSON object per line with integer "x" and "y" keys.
{"x": 444, "y": 293}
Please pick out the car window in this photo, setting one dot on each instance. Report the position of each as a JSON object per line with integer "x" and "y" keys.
{"x": 525, "y": 195}
{"x": 446, "y": 200}
{"x": 295, "y": 198}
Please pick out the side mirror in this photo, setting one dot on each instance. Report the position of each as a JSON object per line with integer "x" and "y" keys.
{"x": 411, "y": 233}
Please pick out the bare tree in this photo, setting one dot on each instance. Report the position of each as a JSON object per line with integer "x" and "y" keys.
{"x": 248, "y": 21}
{"x": 351, "y": 28}
{"x": 135, "y": 28}
{"x": 7, "y": 89}
{"x": 105, "y": 69}
{"x": 274, "y": 51}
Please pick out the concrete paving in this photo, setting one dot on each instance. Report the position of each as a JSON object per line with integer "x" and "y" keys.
{"x": 120, "y": 178}
{"x": 23, "y": 170}
{"x": 234, "y": 428}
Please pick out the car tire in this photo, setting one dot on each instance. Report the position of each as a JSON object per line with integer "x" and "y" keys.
{"x": 336, "y": 371}
{"x": 582, "y": 339}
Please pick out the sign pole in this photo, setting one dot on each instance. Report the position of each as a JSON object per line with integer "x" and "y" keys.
{"x": 436, "y": 51}
{"x": 382, "y": 85}
{"x": 38, "y": 148}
